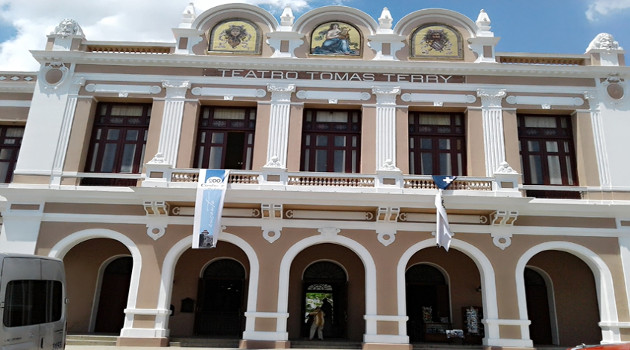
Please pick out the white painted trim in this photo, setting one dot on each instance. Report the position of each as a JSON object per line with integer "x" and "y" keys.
{"x": 362, "y": 252}
{"x": 486, "y": 272}
{"x": 601, "y": 273}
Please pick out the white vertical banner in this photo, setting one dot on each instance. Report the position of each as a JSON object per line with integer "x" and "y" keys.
{"x": 443, "y": 233}
{"x": 209, "y": 207}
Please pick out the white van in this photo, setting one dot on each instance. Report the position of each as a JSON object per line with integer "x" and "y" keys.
{"x": 32, "y": 303}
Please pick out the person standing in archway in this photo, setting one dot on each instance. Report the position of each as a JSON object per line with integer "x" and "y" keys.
{"x": 318, "y": 324}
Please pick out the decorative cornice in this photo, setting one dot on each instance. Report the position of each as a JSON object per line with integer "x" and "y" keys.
{"x": 203, "y": 61}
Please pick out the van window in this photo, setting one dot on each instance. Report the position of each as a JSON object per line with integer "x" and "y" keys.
{"x": 31, "y": 302}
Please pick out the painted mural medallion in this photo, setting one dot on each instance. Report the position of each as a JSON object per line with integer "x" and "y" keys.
{"x": 436, "y": 41}
{"x": 336, "y": 39}
{"x": 236, "y": 36}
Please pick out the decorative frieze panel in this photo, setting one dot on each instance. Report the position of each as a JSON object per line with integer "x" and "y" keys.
{"x": 439, "y": 99}
{"x": 329, "y": 215}
{"x": 228, "y": 94}
{"x": 452, "y": 218}
{"x": 123, "y": 90}
{"x": 546, "y": 102}
{"x": 333, "y": 97}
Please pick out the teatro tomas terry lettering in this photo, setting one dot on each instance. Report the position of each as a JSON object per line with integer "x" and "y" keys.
{"x": 331, "y": 76}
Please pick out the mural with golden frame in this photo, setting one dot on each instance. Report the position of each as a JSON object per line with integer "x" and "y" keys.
{"x": 235, "y": 36}
{"x": 336, "y": 38}
{"x": 436, "y": 41}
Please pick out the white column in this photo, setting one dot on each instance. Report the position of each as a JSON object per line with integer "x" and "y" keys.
{"x": 493, "y": 137}
{"x": 386, "y": 127}
{"x": 279, "y": 116}
{"x": 170, "y": 133}
{"x": 64, "y": 134}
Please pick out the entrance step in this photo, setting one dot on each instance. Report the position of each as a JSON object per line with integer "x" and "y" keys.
{"x": 445, "y": 346}
{"x": 324, "y": 344}
{"x": 204, "y": 342}
{"x": 91, "y": 339}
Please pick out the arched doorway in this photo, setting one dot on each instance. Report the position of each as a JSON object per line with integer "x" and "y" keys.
{"x": 428, "y": 303}
{"x": 538, "y": 307}
{"x": 324, "y": 285}
{"x": 110, "y": 316}
{"x": 220, "y": 296}
{"x": 575, "y": 299}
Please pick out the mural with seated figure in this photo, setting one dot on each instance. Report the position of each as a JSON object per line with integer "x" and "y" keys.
{"x": 336, "y": 39}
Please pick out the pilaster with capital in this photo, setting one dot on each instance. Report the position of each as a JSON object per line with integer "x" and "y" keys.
{"x": 279, "y": 116}
{"x": 598, "y": 137}
{"x": 494, "y": 141}
{"x": 170, "y": 133}
{"x": 386, "y": 127}
{"x": 64, "y": 132}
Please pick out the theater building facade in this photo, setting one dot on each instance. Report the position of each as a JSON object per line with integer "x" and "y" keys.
{"x": 331, "y": 125}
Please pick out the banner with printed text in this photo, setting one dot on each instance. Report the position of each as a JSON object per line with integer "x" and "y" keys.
{"x": 208, "y": 207}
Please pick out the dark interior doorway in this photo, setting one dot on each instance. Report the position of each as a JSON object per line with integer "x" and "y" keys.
{"x": 325, "y": 281}
{"x": 538, "y": 307}
{"x": 234, "y": 157}
{"x": 110, "y": 316}
{"x": 220, "y": 305}
{"x": 428, "y": 306}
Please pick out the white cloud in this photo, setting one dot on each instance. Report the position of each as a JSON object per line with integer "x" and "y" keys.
{"x": 601, "y": 8}
{"x": 116, "y": 20}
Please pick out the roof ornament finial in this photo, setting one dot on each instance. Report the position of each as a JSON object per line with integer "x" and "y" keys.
{"x": 287, "y": 17}
{"x": 483, "y": 24}
{"x": 604, "y": 41}
{"x": 385, "y": 21}
{"x": 188, "y": 16}
{"x": 68, "y": 27}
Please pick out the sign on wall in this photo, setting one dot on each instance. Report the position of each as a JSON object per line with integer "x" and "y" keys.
{"x": 209, "y": 207}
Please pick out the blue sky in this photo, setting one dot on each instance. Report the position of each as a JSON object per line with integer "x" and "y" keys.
{"x": 537, "y": 26}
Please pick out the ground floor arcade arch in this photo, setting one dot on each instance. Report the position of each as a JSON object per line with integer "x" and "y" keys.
{"x": 332, "y": 271}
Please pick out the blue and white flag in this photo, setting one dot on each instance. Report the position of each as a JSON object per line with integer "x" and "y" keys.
{"x": 208, "y": 207}
{"x": 443, "y": 233}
